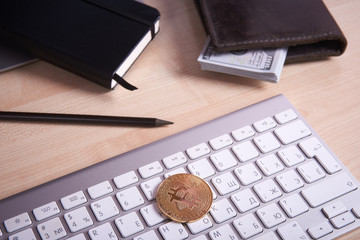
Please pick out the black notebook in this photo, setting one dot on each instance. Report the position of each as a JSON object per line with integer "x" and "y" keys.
{"x": 96, "y": 39}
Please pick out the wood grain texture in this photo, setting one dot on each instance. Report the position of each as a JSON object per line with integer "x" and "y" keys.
{"x": 172, "y": 87}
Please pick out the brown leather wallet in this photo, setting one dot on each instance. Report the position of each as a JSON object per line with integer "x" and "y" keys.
{"x": 306, "y": 27}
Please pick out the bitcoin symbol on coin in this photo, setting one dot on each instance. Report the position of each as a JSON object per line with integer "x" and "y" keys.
{"x": 184, "y": 197}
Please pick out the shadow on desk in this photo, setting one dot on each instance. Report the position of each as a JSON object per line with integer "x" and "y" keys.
{"x": 45, "y": 74}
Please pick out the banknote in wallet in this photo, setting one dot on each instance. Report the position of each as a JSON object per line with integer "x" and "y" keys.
{"x": 262, "y": 64}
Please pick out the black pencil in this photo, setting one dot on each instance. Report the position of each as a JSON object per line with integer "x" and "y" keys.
{"x": 82, "y": 119}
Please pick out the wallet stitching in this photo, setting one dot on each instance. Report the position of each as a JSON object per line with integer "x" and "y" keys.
{"x": 313, "y": 38}
{"x": 313, "y": 55}
{"x": 323, "y": 51}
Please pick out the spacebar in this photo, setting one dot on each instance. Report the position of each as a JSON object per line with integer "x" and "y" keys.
{"x": 329, "y": 189}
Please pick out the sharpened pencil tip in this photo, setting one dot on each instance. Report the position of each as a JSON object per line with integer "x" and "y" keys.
{"x": 160, "y": 122}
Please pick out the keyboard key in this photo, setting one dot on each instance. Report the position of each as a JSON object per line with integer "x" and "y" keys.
{"x": 311, "y": 171}
{"x": 150, "y": 235}
{"x": 313, "y": 148}
{"x": 333, "y": 209}
{"x": 150, "y": 187}
{"x": 292, "y": 231}
{"x": 200, "y": 225}
{"x": 267, "y": 190}
{"x": 46, "y": 211}
{"x": 245, "y": 200}
{"x": 321, "y": 193}
{"x": 78, "y": 219}
{"x": 100, "y": 189}
{"x": 27, "y": 234}
{"x": 73, "y": 200}
{"x": 17, "y": 222}
{"x": 247, "y": 226}
{"x": 292, "y": 132}
{"x": 220, "y": 142}
{"x": 198, "y": 151}
{"x": 225, "y": 183}
{"x": 271, "y": 215}
{"x": 126, "y": 179}
{"x": 152, "y": 215}
{"x": 173, "y": 231}
{"x": 201, "y": 168}
{"x": 104, "y": 208}
{"x": 223, "y": 160}
{"x": 266, "y": 142}
{"x": 224, "y": 233}
{"x": 243, "y": 133}
{"x": 222, "y": 210}
{"x": 269, "y": 164}
{"x": 103, "y": 232}
{"x": 245, "y": 151}
{"x": 129, "y": 224}
{"x": 294, "y": 205}
{"x": 342, "y": 220}
{"x": 52, "y": 229}
{"x": 289, "y": 181}
{"x": 130, "y": 198}
{"x": 291, "y": 156}
{"x": 285, "y": 116}
{"x": 248, "y": 174}
{"x": 150, "y": 170}
{"x": 174, "y": 160}
{"x": 265, "y": 124}
{"x": 320, "y": 230}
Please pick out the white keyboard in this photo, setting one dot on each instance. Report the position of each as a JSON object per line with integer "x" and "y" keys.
{"x": 271, "y": 175}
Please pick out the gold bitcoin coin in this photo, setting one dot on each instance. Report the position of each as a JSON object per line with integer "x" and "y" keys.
{"x": 184, "y": 197}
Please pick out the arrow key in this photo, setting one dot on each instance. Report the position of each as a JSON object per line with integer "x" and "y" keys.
{"x": 334, "y": 209}
{"x": 342, "y": 220}
{"x": 320, "y": 230}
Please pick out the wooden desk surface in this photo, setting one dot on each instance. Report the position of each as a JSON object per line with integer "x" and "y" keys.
{"x": 172, "y": 87}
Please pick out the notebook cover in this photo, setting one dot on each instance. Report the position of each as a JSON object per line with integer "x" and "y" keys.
{"x": 306, "y": 27}
{"x": 90, "y": 38}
